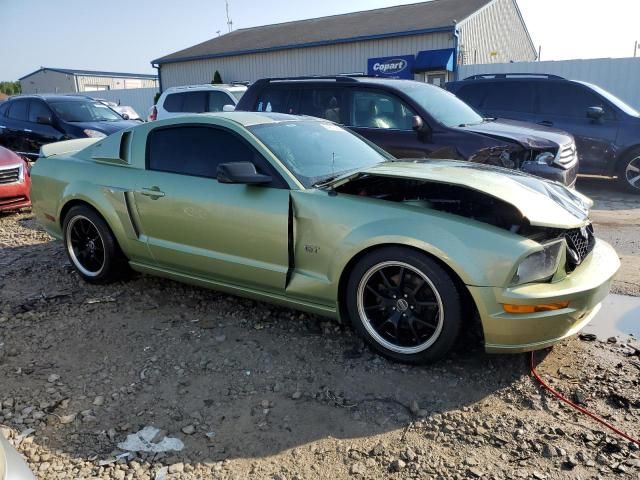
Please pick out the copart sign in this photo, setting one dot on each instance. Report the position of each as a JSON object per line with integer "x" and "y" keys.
{"x": 392, "y": 67}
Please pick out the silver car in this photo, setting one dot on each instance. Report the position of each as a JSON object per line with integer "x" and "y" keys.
{"x": 12, "y": 466}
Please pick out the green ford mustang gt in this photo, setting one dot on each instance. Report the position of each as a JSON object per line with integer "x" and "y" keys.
{"x": 301, "y": 212}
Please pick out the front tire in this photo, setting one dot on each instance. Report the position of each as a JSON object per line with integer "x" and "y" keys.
{"x": 92, "y": 248}
{"x": 629, "y": 171}
{"x": 404, "y": 305}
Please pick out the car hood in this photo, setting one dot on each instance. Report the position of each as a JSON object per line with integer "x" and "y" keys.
{"x": 107, "y": 127}
{"x": 541, "y": 202}
{"x": 9, "y": 158}
{"x": 529, "y": 135}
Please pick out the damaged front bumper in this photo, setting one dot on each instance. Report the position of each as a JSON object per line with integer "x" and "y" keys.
{"x": 566, "y": 176}
{"x": 584, "y": 289}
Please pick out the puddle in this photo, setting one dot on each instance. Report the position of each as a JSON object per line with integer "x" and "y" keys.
{"x": 618, "y": 317}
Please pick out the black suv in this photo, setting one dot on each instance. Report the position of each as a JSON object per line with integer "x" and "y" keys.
{"x": 606, "y": 129}
{"x": 415, "y": 120}
{"x": 29, "y": 121}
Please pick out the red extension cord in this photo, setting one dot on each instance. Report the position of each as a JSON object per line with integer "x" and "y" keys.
{"x": 578, "y": 407}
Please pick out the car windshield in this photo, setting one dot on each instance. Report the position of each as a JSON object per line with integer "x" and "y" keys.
{"x": 443, "y": 106}
{"x": 316, "y": 152}
{"x": 621, "y": 104}
{"x": 80, "y": 111}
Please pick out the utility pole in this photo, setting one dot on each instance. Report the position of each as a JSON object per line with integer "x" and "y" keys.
{"x": 229, "y": 21}
{"x": 635, "y": 49}
{"x": 539, "y": 52}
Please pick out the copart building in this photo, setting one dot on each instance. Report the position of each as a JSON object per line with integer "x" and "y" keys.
{"x": 423, "y": 41}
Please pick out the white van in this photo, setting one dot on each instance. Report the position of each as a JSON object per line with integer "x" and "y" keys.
{"x": 177, "y": 101}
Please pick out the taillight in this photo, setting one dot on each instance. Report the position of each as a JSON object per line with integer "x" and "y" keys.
{"x": 154, "y": 114}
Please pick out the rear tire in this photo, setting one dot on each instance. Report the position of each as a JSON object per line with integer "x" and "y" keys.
{"x": 404, "y": 305}
{"x": 92, "y": 248}
{"x": 629, "y": 171}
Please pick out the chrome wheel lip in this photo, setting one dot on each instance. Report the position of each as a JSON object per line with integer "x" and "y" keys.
{"x": 372, "y": 331}
{"x": 633, "y": 167}
{"x": 70, "y": 248}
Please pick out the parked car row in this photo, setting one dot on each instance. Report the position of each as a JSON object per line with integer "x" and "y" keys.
{"x": 412, "y": 119}
{"x": 606, "y": 129}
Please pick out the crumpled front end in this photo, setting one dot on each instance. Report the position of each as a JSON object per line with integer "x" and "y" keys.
{"x": 565, "y": 306}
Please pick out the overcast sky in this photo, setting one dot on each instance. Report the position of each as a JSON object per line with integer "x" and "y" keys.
{"x": 125, "y": 35}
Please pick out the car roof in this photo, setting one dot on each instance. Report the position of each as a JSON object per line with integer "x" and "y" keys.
{"x": 70, "y": 98}
{"x": 248, "y": 119}
{"x": 220, "y": 86}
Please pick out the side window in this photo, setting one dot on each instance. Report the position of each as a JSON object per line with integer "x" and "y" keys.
{"x": 3, "y": 108}
{"x": 38, "y": 109}
{"x": 325, "y": 103}
{"x": 510, "y": 97}
{"x": 472, "y": 94}
{"x": 217, "y": 100}
{"x": 173, "y": 102}
{"x": 276, "y": 99}
{"x": 568, "y": 100}
{"x": 18, "y": 110}
{"x": 371, "y": 109}
{"x": 197, "y": 151}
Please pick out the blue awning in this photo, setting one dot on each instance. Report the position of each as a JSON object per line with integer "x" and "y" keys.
{"x": 430, "y": 60}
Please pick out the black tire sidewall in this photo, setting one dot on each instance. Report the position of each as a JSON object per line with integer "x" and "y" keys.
{"x": 113, "y": 258}
{"x": 444, "y": 284}
{"x": 622, "y": 167}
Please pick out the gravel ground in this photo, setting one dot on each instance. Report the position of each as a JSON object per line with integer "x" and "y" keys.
{"x": 257, "y": 391}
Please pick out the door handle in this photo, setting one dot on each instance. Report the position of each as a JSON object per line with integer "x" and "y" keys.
{"x": 153, "y": 192}
{"x": 546, "y": 123}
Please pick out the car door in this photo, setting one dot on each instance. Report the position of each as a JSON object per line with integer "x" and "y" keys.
{"x": 230, "y": 233}
{"x": 563, "y": 105}
{"x": 15, "y": 126}
{"x": 387, "y": 121}
{"x": 41, "y": 123}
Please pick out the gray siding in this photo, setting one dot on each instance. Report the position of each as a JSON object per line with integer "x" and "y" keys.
{"x": 48, "y": 82}
{"x": 325, "y": 60}
{"x": 618, "y": 75}
{"x": 114, "y": 83}
{"x": 498, "y": 28}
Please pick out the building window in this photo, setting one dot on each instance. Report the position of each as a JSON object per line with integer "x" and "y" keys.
{"x": 95, "y": 88}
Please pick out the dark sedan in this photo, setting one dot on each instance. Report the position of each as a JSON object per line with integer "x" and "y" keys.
{"x": 29, "y": 121}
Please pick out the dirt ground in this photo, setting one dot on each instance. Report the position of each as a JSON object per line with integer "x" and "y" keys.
{"x": 257, "y": 391}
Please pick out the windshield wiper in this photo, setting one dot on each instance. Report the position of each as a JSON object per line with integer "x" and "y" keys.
{"x": 326, "y": 180}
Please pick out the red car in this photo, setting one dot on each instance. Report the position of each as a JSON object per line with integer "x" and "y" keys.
{"x": 15, "y": 181}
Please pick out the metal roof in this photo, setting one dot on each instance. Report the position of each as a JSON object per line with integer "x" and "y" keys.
{"x": 402, "y": 20}
{"x": 93, "y": 73}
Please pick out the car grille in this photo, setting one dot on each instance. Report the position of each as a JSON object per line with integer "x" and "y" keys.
{"x": 567, "y": 155}
{"x": 580, "y": 243}
{"x": 9, "y": 175}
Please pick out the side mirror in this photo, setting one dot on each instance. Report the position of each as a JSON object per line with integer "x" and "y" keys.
{"x": 241, "y": 172}
{"x": 229, "y": 108}
{"x": 45, "y": 120}
{"x": 595, "y": 113}
{"x": 423, "y": 130}
{"x": 417, "y": 123}
{"x": 124, "y": 116}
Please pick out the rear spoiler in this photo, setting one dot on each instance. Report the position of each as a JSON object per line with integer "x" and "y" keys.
{"x": 66, "y": 147}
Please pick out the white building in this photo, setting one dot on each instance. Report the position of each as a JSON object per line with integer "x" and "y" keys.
{"x": 425, "y": 41}
{"x": 61, "y": 80}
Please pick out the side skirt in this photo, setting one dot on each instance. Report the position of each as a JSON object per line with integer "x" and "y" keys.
{"x": 254, "y": 294}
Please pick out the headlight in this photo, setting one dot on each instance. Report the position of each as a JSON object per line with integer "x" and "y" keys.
{"x": 93, "y": 133}
{"x": 539, "y": 266}
{"x": 545, "y": 158}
